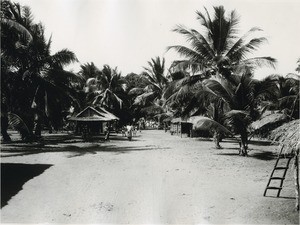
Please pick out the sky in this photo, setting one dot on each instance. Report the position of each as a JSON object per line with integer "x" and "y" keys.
{"x": 128, "y": 33}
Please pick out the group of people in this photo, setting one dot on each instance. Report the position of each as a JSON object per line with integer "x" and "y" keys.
{"x": 129, "y": 131}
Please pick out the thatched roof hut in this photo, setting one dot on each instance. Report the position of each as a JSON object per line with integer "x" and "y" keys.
{"x": 288, "y": 135}
{"x": 93, "y": 121}
{"x": 267, "y": 123}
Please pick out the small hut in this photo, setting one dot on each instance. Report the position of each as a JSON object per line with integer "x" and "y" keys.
{"x": 196, "y": 130}
{"x": 288, "y": 136}
{"x": 180, "y": 127}
{"x": 92, "y": 121}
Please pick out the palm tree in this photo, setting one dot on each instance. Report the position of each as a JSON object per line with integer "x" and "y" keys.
{"x": 89, "y": 70}
{"x": 14, "y": 36}
{"x": 237, "y": 105}
{"x": 34, "y": 74}
{"x": 218, "y": 50}
{"x": 108, "y": 87}
{"x": 216, "y": 53}
{"x": 11, "y": 18}
{"x": 150, "y": 97}
{"x": 286, "y": 94}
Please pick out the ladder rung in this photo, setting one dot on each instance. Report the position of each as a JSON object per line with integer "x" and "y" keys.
{"x": 281, "y": 168}
{"x": 277, "y": 178}
{"x": 278, "y": 188}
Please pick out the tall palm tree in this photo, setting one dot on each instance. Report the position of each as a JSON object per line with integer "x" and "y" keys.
{"x": 35, "y": 75}
{"x": 150, "y": 97}
{"x": 12, "y": 33}
{"x": 218, "y": 50}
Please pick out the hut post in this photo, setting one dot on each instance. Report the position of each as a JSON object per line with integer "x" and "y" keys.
{"x": 296, "y": 176}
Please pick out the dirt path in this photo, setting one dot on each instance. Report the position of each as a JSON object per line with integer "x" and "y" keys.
{"x": 157, "y": 178}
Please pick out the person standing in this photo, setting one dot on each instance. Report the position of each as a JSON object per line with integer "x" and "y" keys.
{"x": 129, "y": 132}
{"x": 106, "y": 133}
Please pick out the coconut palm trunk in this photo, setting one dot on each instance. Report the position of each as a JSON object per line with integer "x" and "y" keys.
{"x": 4, "y": 122}
{"x": 244, "y": 143}
{"x": 296, "y": 177}
{"x": 4, "y": 127}
{"x": 37, "y": 127}
{"x": 217, "y": 139}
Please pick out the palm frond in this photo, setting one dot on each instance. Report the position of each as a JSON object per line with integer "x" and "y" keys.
{"x": 253, "y": 63}
{"x": 136, "y": 91}
{"x": 218, "y": 90}
{"x": 244, "y": 50}
{"x": 143, "y": 98}
{"x": 241, "y": 41}
{"x": 189, "y": 53}
{"x": 64, "y": 57}
{"x": 237, "y": 120}
{"x": 206, "y": 123}
{"x": 185, "y": 65}
{"x": 19, "y": 27}
{"x": 18, "y": 124}
{"x": 197, "y": 40}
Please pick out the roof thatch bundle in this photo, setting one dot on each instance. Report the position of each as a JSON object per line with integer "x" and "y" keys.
{"x": 267, "y": 123}
{"x": 288, "y": 135}
{"x": 176, "y": 120}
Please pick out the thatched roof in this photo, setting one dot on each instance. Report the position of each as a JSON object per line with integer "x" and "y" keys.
{"x": 91, "y": 114}
{"x": 288, "y": 135}
{"x": 194, "y": 119}
{"x": 269, "y": 120}
{"x": 176, "y": 120}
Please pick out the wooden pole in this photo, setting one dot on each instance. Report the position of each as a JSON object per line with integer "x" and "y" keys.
{"x": 296, "y": 177}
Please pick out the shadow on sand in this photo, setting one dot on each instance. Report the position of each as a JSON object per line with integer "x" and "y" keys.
{"x": 75, "y": 151}
{"x": 263, "y": 155}
{"x": 14, "y": 176}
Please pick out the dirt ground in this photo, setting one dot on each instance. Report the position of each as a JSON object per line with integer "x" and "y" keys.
{"x": 156, "y": 178}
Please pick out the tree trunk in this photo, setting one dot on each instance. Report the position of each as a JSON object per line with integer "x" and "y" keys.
{"x": 216, "y": 138}
{"x": 4, "y": 127}
{"x": 37, "y": 125}
{"x": 4, "y": 121}
{"x": 244, "y": 144}
{"x": 296, "y": 177}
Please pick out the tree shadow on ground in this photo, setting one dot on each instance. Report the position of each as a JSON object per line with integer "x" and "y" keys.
{"x": 263, "y": 155}
{"x": 15, "y": 175}
{"x": 228, "y": 154}
{"x": 260, "y": 142}
{"x": 75, "y": 151}
{"x": 55, "y": 139}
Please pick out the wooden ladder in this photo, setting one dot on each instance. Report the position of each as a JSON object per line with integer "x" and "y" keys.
{"x": 281, "y": 178}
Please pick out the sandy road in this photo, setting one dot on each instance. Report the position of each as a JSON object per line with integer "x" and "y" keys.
{"x": 157, "y": 178}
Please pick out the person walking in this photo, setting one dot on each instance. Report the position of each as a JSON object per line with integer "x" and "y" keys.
{"x": 129, "y": 132}
{"x": 106, "y": 133}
